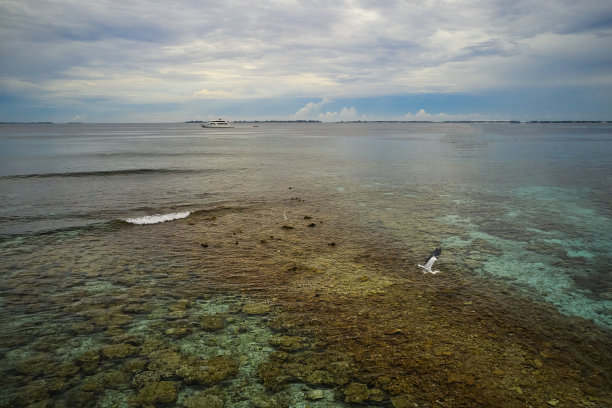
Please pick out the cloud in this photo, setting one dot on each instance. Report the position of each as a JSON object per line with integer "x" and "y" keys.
{"x": 213, "y": 94}
{"x": 314, "y": 111}
{"x": 423, "y": 115}
{"x": 345, "y": 114}
{"x": 141, "y": 51}
{"x": 310, "y": 110}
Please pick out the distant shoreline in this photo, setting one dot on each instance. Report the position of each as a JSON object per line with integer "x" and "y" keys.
{"x": 343, "y": 121}
{"x": 414, "y": 121}
{"x": 262, "y": 121}
{"x": 27, "y": 123}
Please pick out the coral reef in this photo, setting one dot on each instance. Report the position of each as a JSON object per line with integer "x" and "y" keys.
{"x": 283, "y": 318}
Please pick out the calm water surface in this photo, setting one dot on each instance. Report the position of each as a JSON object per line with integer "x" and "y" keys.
{"x": 284, "y": 273}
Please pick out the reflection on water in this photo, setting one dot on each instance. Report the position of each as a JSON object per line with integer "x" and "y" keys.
{"x": 278, "y": 305}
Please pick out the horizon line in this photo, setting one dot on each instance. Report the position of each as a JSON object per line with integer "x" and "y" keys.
{"x": 306, "y": 121}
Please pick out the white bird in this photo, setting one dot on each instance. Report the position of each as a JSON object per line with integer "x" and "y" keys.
{"x": 433, "y": 257}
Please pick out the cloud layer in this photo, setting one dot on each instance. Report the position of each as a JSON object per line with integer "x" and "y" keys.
{"x": 208, "y": 55}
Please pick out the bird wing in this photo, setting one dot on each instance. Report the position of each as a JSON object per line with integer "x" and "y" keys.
{"x": 433, "y": 257}
{"x": 430, "y": 262}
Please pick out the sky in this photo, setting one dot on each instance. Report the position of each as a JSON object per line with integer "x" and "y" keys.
{"x": 173, "y": 61}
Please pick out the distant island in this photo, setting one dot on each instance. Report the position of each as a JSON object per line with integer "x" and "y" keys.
{"x": 414, "y": 121}
{"x": 474, "y": 121}
{"x": 262, "y": 121}
{"x": 355, "y": 121}
{"x": 26, "y": 123}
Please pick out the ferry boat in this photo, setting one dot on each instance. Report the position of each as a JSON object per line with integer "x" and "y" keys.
{"x": 219, "y": 123}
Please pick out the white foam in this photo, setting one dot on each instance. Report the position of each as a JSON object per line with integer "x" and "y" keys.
{"x": 157, "y": 218}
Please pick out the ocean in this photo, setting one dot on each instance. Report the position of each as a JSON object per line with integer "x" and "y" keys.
{"x": 275, "y": 265}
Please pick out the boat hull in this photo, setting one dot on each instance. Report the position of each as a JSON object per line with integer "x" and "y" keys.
{"x": 219, "y": 123}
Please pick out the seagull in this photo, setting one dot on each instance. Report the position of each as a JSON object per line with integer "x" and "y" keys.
{"x": 433, "y": 257}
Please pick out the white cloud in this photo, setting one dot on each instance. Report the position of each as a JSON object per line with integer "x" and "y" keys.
{"x": 345, "y": 114}
{"x": 423, "y": 115}
{"x": 310, "y": 110}
{"x": 220, "y": 93}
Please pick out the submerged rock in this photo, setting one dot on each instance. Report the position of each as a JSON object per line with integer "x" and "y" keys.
{"x": 116, "y": 379}
{"x": 376, "y": 394}
{"x": 134, "y": 365}
{"x": 107, "y": 317}
{"x": 164, "y": 361}
{"x": 150, "y": 345}
{"x": 181, "y": 304}
{"x": 57, "y": 385}
{"x": 161, "y": 392}
{"x": 263, "y": 400}
{"x": 207, "y": 372}
{"x": 288, "y": 343}
{"x": 461, "y": 378}
{"x": 212, "y": 323}
{"x": 76, "y": 397}
{"x": 320, "y": 377}
{"x": 314, "y": 395}
{"x": 273, "y": 375}
{"x": 33, "y": 392}
{"x": 89, "y": 360}
{"x": 403, "y": 401}
{"x": 256, "y": 308}
{"x": 177, "y": 314}
{"x": 83, "y": 327}
{"x": 145, "y": 377}
{"x": 67, "y": 370}
{"x": 34, "y": 365}
{"x": 202, "y": 400}
{"x": 177, "y": 332}
{"x": 135, "y": 308}
{"x": 356, "y": 392}
{"x": 119, "y": 350}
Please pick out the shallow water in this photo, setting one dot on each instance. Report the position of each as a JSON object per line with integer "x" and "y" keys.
{"x": 291, "y": 280}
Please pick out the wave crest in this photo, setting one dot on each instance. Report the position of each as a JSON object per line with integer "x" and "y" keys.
{"x": 103, "y": 173}
{"x": 156, "y": 218}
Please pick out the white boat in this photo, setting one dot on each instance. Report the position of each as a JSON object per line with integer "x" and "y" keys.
{"x": 219, "y": 123}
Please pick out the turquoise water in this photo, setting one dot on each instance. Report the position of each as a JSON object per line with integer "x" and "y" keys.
{"x": 132, "y": 253}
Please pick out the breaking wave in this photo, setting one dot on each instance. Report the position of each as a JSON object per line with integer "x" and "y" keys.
{"x": 156, "y": 218}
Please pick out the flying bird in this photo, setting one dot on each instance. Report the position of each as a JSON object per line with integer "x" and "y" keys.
{"x": 433, "y": 257}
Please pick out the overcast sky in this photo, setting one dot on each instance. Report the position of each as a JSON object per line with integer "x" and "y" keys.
{"x": 169, "y": 61}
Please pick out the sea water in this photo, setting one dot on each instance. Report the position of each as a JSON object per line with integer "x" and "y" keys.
{"x": 103, "y": 228}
